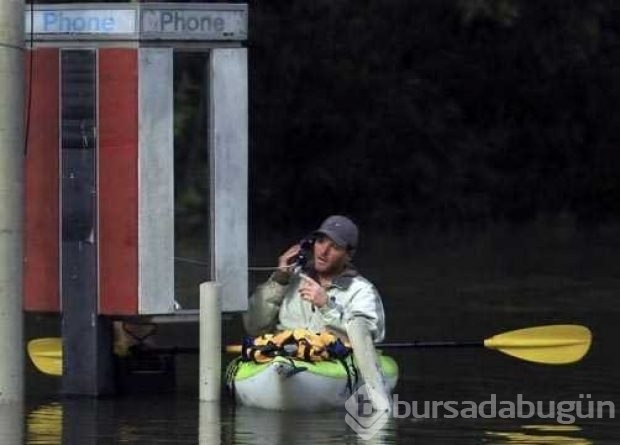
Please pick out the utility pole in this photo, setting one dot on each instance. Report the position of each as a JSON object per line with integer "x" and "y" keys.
{"x": 11, "y": 198}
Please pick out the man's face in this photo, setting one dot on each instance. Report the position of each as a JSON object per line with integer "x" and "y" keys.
{"x": 329, "y": 257}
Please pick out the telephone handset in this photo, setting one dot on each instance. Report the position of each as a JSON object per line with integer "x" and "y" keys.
{"x": 300, "y": 260}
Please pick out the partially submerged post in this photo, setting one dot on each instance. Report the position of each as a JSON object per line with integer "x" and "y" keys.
{"x": 210, "y": 342}
{"x": 11, "y": 198}
{"x": 209, "y": 426}
{"x": 367, "y": 363}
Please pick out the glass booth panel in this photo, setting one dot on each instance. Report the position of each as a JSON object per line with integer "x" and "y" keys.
{"x": 191, "y": 176}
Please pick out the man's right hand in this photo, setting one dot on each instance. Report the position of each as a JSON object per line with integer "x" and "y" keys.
{"x": 284, "y": 261}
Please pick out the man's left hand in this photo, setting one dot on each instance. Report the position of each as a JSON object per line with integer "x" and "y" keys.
{"x": 312, "y": 291}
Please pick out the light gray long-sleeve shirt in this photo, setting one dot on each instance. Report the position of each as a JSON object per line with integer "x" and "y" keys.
{"x": 277, "y": 305}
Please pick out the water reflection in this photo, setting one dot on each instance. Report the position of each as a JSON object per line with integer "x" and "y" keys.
{"x": 258, "y": 427}
{"x": 209, "y": 424}
{"x": 179, "y": 421}
{"x": 11, "y": 423}
{"x": 540, "y": 435}
{"x": 84, "y": 421}
{"x": 124, "y": 420}
{"x": 44, "y": 424}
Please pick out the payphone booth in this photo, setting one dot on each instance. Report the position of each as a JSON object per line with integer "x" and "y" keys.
{"x": 136, "y": 167}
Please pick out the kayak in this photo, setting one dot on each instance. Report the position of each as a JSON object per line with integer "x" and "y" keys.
{"x": 287, "y": 383}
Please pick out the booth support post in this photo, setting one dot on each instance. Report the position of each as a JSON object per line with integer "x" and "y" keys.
{"x": 11, "y": 198}
{"x": 86, "y": 335}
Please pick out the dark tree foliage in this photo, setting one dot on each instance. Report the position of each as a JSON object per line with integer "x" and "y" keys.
{"x": 434, "y": 112}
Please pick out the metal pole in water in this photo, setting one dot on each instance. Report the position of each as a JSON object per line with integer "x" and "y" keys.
{"x": 11, "y": 198}
{"x": 209, "y": 426}
{"x": 12, "y": 422}
{"x": 210, "y": 342}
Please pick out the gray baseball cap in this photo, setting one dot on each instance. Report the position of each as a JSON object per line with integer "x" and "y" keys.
{"x": 341, "y": 230}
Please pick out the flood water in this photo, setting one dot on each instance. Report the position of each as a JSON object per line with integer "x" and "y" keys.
{"x": 459, "y": 289}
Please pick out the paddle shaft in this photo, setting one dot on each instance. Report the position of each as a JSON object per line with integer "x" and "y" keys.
{"x": 544, "y": 344}
{"x": 431, "y": 344}
{"x": 402, "y": 345}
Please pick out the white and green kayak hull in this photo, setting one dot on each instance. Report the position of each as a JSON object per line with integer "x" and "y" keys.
{"x": 291, "y": 384}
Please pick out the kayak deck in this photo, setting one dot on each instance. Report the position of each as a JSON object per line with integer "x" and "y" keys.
{"x": 292, "y": 384}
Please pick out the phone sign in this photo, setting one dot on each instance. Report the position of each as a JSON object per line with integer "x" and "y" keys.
{"x": 92, "y": 21}
{"x": 195, "y": 24}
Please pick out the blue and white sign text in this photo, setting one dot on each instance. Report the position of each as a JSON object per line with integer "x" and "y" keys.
{"x": 72, "y": 21}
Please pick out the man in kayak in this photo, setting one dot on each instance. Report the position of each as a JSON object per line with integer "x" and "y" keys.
{"x": 327, "y": 293}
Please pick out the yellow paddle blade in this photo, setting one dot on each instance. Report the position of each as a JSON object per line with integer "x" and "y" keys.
{"x": 46, "y": 355}
{"x": 554, "y": 344}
